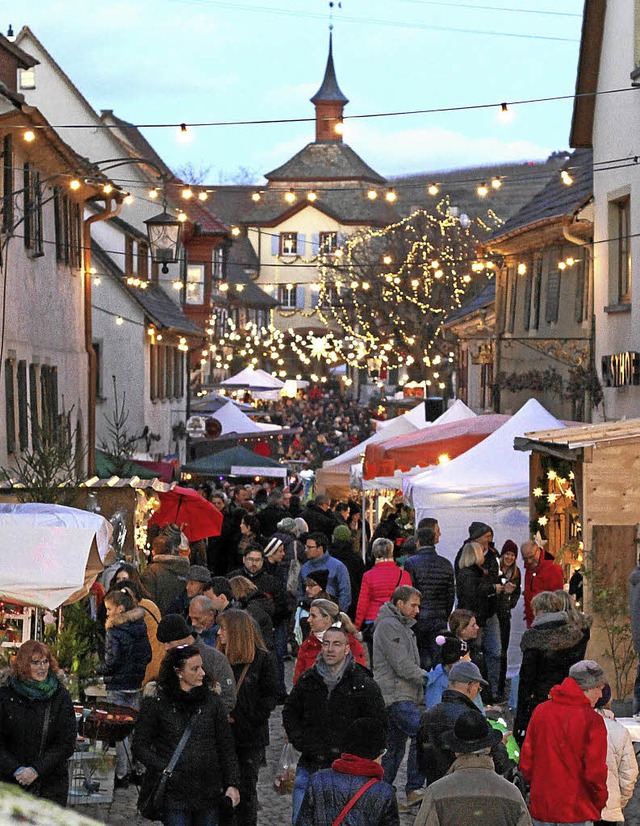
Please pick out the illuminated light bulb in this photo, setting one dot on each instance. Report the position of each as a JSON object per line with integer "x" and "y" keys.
{"x": 128, "y": 199}
{"x": 490, "y": 265}
{"x": 255, "y": 196}
{"x": 338, "y": 253}
{"x": 551, "y": 498}
{"x": 562, "y": 265}
{"x": 93, "y": 270}
{"x": 496, "y": 183}
{"x": 312, "y": 196}
{"x": 552, "y": 475}
{"x": 119, "y": 321}
{"x": 239, "y": 287}
{"x": 543, "y": 521}
{"x": 187, "y": 193}
{"x": 438, "y": 274}
{"x": 107, "y": 188}
{"x": 153, "y": 193}
{"x": 415, "y": 283}
{"x": 224, "y": 287}
{"x": 571, "y": 262}
{"x": 505, "y": 115}
{"x": 436, "y": 375}
{"x": 74, "y": 184}
{"x": 366, "y": 285}
{"x": 202, "y": 196}
{"x": 184, "y": 136}
{"x": 387, "y": 260}
{"x": 354, "y": 285}
{"x": 182, "y": 216}
{"x": 391, "y": 196}
{"x": 442, "y": 385}
{"x": 522, "y": 269}
{"x": 433, "y": 189}
{"x": 29, "y": 136}
{"x": 290, "y": 196}
{"x": 372, "y": 194}
{"x": 466, "y": 278}
{"x": 388, "y": 278}
{"x": 183, "y": 340}
{"x": 177, "y": 285}
{"x": 482, "y": 191}
{"x": 339, "y": 128}
{"x": 97, "y": 280}
{"x": 235, "y": 230}
{"x": 566, "y": 178}
{"x": 435, "y": 264}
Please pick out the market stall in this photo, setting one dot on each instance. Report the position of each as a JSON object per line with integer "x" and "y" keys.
{"x": 236, "y": 461}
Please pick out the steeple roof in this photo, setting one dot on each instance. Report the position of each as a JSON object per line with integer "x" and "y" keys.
{"x": 329, "y": 89}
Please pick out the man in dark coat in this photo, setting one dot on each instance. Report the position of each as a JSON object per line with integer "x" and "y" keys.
{"x": 341, "y": 548}
{"x": 319, "y": 516}
{"x": 322, "y": 704}
{"x": 432, "y": 575}
{"x": 164, "y": 577}
{"x": 330, "y": 790}
{"x": 435, "y": 756}
{"x": 273, "y": 513}
{"x": 253, "y": 570}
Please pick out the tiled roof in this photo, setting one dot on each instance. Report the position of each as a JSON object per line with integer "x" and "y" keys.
{"x": 198, "y": 213}
{"x": 485, "y": 298}
{"x": 556, "y": 199}
{"x": 251, "y": 295}
{"x": 329, "y": 89}
{"x": 325, "y": 161}
{"x": 156, "y": 304}
{"x": 232, "y": 202}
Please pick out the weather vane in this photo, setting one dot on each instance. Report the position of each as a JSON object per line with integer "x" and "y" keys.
{"x": 332, "y": 5}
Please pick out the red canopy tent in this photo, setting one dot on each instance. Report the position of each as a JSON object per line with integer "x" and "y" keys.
{"x": 426, "y": 446}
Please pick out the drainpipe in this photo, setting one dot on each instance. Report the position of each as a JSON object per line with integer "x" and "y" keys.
{"x": 108, "y": 212}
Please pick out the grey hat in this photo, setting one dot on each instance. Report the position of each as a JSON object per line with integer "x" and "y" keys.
{"x": 198, "y": 573}
{"x": 478, "y": 529}
{"x": 588, "y": 674}
{"x": 288, "y": 525}
{"x": 466, "y": 672}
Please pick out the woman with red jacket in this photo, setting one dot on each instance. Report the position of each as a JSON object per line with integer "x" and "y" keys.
{"x": 322, "y": 615}
{"x": 379, "y": 583}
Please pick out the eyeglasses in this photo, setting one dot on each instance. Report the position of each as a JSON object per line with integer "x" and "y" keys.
{"x": 311, "y": 547}
{"x": 40, "y": 663}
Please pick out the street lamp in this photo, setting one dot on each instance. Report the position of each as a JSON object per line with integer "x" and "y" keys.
{"x": 164, "y": 231}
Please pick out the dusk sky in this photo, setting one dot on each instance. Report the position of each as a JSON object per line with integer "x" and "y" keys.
{"x": 172, "y": 61}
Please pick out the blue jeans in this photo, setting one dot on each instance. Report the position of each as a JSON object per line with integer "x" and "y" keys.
{"x": 300, "y": 783}
{"x": 202, "y": 817}
{"x": 404, "y": 718}
{"x": 546, "y": 823}
{"x": 492, "y": 648}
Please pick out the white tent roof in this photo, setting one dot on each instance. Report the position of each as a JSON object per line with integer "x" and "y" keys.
{"x": 48, "y": 555}
{"x": 253, "y": 379}
{"x": 416, "y": 416}
{"x": 233, "y": 420}
{"x": 491, "y": 469}
{"x": 397, "y": 427}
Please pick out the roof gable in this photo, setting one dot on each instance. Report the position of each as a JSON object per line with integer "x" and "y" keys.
{"x": 587, "y": 76}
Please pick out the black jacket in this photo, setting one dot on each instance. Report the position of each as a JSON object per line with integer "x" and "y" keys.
{"x": 549, "y": 648}
{"x": 21, "y": 727}
{"x": 260, "y": 607}
{"x": 319, "y": 520}
{"x": 352, "y": 561}
{"x": 269, "y": 517}
{"x": 268, "y": 584}
{"x": 432, "y": 575}
{"x": 434, "y": 758}
{"x": 208, "y": 764}
{"x": 315, "y": 720}
{"x": 126, "y": 651}
{"x": 476, "y": 593}
{"x": 257, "y": 697}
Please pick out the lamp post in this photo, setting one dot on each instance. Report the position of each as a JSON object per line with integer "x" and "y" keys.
{"x": 165, "y": 232}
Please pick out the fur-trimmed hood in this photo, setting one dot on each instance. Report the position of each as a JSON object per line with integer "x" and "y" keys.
{"x": 556, "y": 633}
{"x": 133, "y": 615}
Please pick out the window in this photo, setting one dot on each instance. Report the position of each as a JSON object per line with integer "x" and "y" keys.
{"x": 553, "y": 297}
{"x": 27, "y": 78}
{"x": 166, "y": 364}
{"x": 528, "y": 289}
{"x": 620, "y": 250}
{"x": 10, "y": 403}
{"x": 287, "y": 296}
{"x": 288, "y": 243}
{"x": 582, "y": 290}
{"x": 32, "y": 199}
{"x": 178, "y": 373}
{"x": 328, "y": 242}
{"x": 329, "y": 298}
{"x": 7, "y": 183}
{"x": 537, "y": 291}
{"x": 195, "y": 284}
{"x": 217, "y": 265}
{"x": 486, "y": 385}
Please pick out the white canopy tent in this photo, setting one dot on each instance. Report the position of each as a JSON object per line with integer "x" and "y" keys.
{"x": 253, "y": 380}
{"x": 416, "y": 416}
{"x": 490, "y": 484}
{"x": 50, "y": 554}
{"x": 233, "y": 420}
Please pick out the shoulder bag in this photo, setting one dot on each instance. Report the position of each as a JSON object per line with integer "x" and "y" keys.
{"x": 151, "y": 803}
{"x": 353, "y": 801}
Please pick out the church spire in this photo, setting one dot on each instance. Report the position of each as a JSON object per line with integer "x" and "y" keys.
{"x": 329, "y": 102}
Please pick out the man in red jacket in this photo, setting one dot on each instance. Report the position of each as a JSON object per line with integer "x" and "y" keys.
{"x": 564, "y": 755}
{"x": 541, "y": 574}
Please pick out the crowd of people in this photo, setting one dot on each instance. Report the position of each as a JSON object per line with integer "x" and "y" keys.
{"x": 403, "y": 648}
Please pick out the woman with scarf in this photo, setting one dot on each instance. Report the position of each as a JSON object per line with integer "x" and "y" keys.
{"x": 207, "y": 769}
{"x": 322, "y": 615}
{"x": 37, "y": 725}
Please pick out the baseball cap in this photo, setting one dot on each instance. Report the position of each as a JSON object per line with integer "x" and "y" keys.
{"x": 466, "y": 672}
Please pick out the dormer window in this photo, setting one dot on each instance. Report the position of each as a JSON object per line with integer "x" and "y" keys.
{"x": 27, "y": 78}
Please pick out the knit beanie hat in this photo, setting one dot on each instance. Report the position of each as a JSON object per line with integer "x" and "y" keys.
{"x": 173, "y": 534}
{"x": 365, "y": 737}
{"x": 509, "y": 547}
{"x": 478, "y": 529}
{"x": 172, "y": 627}
{"x": 320, "y": 577}
{"x": 301, "y": 526}
{"x": 451, "y": 648}
{"x": 588, "y": 674}
{"x": 272, "y": 547}
{"x": 288, "y": 525}
{"x": 341, "y": 534}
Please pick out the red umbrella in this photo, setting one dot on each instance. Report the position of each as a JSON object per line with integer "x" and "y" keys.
{"x": 197, "y": 517}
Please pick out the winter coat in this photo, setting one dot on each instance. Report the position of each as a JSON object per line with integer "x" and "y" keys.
{"x": 434, "y": 757}
{"x": 216, "y": 667}
{"x": 316, "y": 720}
{"x": 343, "y": 551}
{"x": 270, "y": 585}
{"x": 165, "y": 578}
{"x": 126, "y": 651}
{"x": 378, "y": 585}
{"x": 152, "y": 617}
{"x": 21, "y": 728}
{"x": 319, "y": 520}
{"x": 622, "y": 768}
{"x": 437, "y": 684}
{"x": 634, "y": 607}
{"x": 257, "y": 697}
{"x": 546, "y": 577}
{"x": 472, "y": 785}
{"x": 476, "y": 593}
{"x": 339, "y": 585}
{"x": 396, "y": 659}
{"x": 208, "y": 764}
{"x": 330, "y": 790}
{"x": 564, "y": 758}
{"x": 432, "y": 575}
{"x": 311, "y": 647}
{"x": 269, "y": 517}
{"x": 505, "y": 603}
{"x": 259, "y": 606}
{"x": 549, "y": 648}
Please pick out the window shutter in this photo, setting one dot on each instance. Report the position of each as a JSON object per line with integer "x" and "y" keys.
{"x": 528, "y": 289}
{"x": 23, "y": 406}
{"x": 553, "y": 296}
{"x": 315, "y": 243}
{"x": 33, "y": 404}
{"x": 9, "y": 391}
{"x": 315, "y": 298}
{"x": 579, "y": 302}
{"x": 300, "y": 242}
{"x": 275, "y": 244}
{"x": 300, "y": 297}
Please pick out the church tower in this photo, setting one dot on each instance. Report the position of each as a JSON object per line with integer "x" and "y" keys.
{"x": 329, "y": 103}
